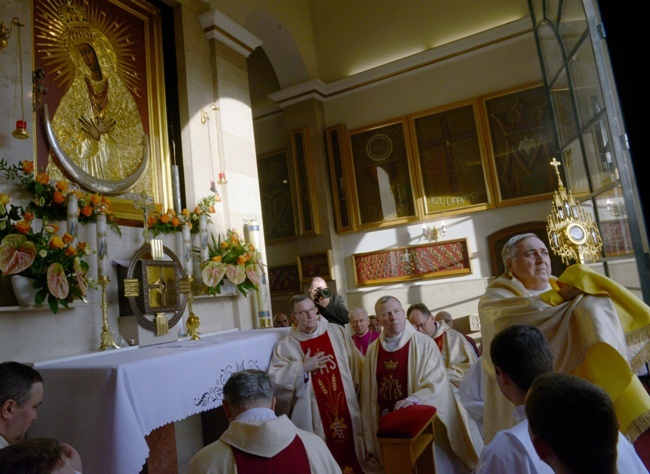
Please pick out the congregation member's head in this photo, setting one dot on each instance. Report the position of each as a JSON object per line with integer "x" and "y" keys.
{"x": 445, "y": 316}
{"x": 572, "y": 424}
{"x": 280, "y": 320}
{"x": 421, "y": 318}
{"x": 526, "y": 258}
{"x": 245, "y": 390}
{"x": 35, "y": 456}
{"x": 359, "y": 321}
{"x": 304, "y": 313}
{"x": 21, "y": 393}
{"x": 373, "y": 324}
{"x": 390, "y": 315}
{"x": 520, "y": 354}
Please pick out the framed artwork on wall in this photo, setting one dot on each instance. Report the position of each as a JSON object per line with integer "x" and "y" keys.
{"x": 382, "y": 173}
{"x": 336, "y": 139}
{"x": 419, "y": 262}
{"x": 284, "y": 279}
{"x": 522, "y": 144}
{"x": 449, "y": 159}
{"x": 305, "y": 190}
{"x": 104, "y": 76}
{"x": 316, "y": 264}
{"x": 277, "y": 196}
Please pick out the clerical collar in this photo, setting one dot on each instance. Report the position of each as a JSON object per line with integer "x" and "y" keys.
{"x": 519, "y": 413}
{"x": 356, "y": 335}
{"x": 391, "y": 343}
{"x": 313, "y": 334}
{"x": 256, "y": 414}
{"x": 539, "y": 292}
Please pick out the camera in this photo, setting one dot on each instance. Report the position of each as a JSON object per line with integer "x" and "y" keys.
{"x": 322, "y": 293}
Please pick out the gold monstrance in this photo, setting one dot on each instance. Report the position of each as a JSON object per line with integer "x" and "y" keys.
{"x": 572, "y": 232}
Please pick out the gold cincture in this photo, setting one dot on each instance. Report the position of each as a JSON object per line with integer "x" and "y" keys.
{"x": 572, "y": 232}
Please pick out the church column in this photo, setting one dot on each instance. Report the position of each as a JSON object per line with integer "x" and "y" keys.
{"x": 233, "y": 140}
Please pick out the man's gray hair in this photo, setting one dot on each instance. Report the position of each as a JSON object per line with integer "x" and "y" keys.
{"x": 508, "y": 250}
{"x": 385, "y": 299}
{"x": 360, "y": 310}
{"x": 247, "y": 387}
{"x": 295, "y": 299}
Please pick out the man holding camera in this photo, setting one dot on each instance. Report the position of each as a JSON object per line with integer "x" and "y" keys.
{"x": 330, "y": 306}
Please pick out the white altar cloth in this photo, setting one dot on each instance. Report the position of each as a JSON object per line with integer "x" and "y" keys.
{"x": 104, "y": 404}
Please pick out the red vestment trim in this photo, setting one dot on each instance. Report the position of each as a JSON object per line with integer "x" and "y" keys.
{"x": 440, "y": 341}
{"x": 392, "y": 377}
{"x": 332, "y": 405}
{"x": 292, "y": 459}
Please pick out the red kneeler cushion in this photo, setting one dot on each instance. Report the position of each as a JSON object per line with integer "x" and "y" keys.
{"x": 405, "y": 422}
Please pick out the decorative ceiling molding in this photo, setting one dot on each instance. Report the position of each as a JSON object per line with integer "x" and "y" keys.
{"x": 218, "y": 26}
{"x": 316, "y": 89}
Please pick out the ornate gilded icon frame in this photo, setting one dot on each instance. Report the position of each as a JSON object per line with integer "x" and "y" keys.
{"x": 134, "y": 29}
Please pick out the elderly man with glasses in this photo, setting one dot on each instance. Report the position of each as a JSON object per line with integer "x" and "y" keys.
{"x": 316, "y": 371}
{"x": 457, "y": 353}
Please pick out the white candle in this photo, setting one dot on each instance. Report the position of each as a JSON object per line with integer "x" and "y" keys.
{"x": 72, "y": 210}
{"x": 203, "y": 233}
{"x": 102, "y": 246}
{"x": 254, "y": 238}
{"x": 187, "y": 250}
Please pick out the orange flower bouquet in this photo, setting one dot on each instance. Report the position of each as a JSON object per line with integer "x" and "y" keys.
{"x": 49, "y": 202}
{"x": 53, "y": 262}
{"x": 234, "y": 259}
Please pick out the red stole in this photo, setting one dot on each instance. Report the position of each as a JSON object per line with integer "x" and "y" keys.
{"x": 392, "y": 377}
{"x": 440, "y": 341}
{"x": 291, "y": 460}
{"x": 332, "y": 405}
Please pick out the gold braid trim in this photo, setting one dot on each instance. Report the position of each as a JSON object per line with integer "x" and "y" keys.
{"x": 639, "y": 426}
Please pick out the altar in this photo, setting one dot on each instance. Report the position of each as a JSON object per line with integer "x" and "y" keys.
{"x": 104, "y": 404}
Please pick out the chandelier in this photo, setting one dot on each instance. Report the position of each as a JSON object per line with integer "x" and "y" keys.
{"x": 572, "y": 232}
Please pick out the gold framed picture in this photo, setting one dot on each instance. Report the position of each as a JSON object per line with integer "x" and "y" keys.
{"x": 284, "y": 279}
{"x": 105, "y": 98}
{"x": 451, "y": 164}
{"x": 382, "y": 174}
{"x": 522, "y": 144}
{"x": 315, "y": 264}
{"x": 418, "y": 262}
{"x": 276, "y": 194}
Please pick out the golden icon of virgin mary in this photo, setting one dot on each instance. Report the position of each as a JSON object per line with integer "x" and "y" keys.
{"x": 97, "y": 123}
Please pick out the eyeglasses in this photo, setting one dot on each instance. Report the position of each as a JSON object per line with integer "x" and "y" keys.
{"x": 306, "y": 312}
{"x": 423, "y": 324}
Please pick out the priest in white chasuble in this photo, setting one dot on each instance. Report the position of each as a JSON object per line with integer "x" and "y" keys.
{"x": 597, "y": 329}
{"x": 316, "y": 371}
{"x": 404, "y": 367}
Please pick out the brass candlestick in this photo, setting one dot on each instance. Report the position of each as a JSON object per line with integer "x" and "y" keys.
{"x": 107, "y": 341}
{"x": 193, "y": 321}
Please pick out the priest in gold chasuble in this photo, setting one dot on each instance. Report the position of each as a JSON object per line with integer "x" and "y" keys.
{"x": 404, "y": 367}
{"x": 597, "y": 329}
{"x": 316, "y": 371}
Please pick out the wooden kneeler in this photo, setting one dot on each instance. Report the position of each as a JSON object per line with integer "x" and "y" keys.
{"x": 406, "y": 438}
